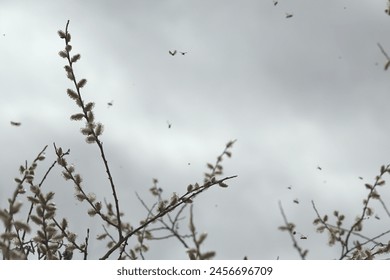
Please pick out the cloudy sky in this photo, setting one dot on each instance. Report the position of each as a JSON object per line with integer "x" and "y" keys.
{"x": 296, "y": 92}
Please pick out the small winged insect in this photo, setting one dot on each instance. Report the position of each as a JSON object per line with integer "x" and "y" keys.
{"x": 169, "y": 124}
{"x": 15, "y": 123}
{"x": 289, "y": 187}
{"x": 275, "y": 3}
{"x": 296, "y": 201}
{"x": 183, "y": 53}
{"x": 173, "y": 52}
{"x": 319, "y": 168}
{"x": 109, "y": 104}
{"x": 361, "y": 178}
{"x": 303, "y": 237}
{"x": 289, "y": 15}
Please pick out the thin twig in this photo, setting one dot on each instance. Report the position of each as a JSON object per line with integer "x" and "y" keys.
{"x": 383, "y": 51}
{"x": 302, "y": 253}
{"x": 384, "y": 206}
{"x": 378, "y": 181}
{"x": 40, "y": 185}
{"x": 86, "y": 245}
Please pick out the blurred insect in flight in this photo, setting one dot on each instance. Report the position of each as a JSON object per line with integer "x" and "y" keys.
{"x": 16, "y": 123}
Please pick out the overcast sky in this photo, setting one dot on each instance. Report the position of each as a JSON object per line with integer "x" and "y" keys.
{"x": 297, "y": 93}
